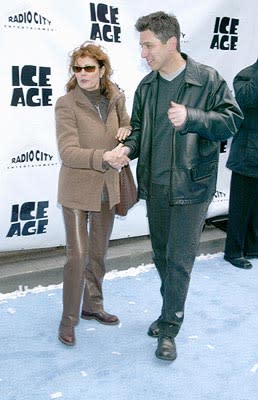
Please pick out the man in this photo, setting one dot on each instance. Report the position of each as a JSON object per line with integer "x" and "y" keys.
{"x": 181, "y": 111}
{"x": 242, "y": 232}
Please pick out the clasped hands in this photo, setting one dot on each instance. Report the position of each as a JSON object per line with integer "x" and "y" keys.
{"x": 118, "y": 157}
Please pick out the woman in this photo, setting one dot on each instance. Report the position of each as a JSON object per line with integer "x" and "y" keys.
{"x": 90, "y": 119}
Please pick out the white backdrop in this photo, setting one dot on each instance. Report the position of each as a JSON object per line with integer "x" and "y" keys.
{"x": 36, "y": 37}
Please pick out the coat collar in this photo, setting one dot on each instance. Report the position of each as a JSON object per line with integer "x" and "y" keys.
{"x": 80, "y": 97}
{"x": 192, "y": 74}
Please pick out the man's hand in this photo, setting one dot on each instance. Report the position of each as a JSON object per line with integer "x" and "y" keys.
{"x": 177, "y": 114}
{"x": 117, "y": 158}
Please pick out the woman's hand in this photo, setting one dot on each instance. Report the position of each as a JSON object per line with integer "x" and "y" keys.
{"x": 116, "y": 158}
{"x": 123, "y": 132}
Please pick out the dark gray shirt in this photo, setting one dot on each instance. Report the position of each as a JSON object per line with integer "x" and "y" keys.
{"x": 161, "y": 140}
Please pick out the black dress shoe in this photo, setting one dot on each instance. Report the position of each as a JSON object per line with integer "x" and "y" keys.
{"x": 239, "y": 262}
{"x": 103, "y": 317}
{"x": 166, "y": 349}
{"x": 66, "y": 335}
{"x": 153, "y": 330}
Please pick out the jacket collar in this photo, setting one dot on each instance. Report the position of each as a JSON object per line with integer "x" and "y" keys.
{"x": 192, "y": 74}
{"x": 82, "y": 99}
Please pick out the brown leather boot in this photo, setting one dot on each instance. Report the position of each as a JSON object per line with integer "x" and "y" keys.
{"x": 66, "y": 335}
{"x": 103, "y": 317}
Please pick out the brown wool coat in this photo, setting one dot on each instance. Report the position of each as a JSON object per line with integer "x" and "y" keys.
{"x": 82, "y": 139}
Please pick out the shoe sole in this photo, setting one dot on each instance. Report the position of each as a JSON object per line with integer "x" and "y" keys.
{"x": 165, "y": 358}
{"x": 237, "y": 266}
{"x": 65, "y": 342}
{"x": 151, "y": 334}
{"x": 101, "y": 322}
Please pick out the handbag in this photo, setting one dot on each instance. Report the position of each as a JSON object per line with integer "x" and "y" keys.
{"x": 128, "y": 191}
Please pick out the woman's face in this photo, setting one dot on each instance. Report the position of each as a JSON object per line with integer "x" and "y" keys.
{"x": 88, "y": 78}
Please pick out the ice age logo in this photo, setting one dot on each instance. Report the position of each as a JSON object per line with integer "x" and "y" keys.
{"x": 225, "y": 34}
{"x": 31, "y": 86}
{"x": 29, "y": 218}
{"x": 105, "y": 25}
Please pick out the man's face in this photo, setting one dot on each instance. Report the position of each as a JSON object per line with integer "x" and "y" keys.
{"x": 156, "y": 53}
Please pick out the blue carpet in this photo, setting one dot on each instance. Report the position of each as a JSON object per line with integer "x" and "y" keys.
{"x": 217, "y": 345}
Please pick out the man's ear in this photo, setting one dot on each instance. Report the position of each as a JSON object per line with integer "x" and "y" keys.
{"x": 172, "y": 43}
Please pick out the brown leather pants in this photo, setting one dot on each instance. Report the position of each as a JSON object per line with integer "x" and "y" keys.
{"x": 87, "y": 238}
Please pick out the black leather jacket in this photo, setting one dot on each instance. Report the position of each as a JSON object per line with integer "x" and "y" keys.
{"x": 243, "y": 156}
{"x": 212, "y": 115}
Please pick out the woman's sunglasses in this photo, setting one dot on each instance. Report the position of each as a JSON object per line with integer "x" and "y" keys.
{"x": 87, "y": 68}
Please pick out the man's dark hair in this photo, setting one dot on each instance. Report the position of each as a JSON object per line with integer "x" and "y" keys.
{"x": 163, "y": 25}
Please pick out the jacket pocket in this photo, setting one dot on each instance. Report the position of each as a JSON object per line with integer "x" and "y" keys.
{"x": 203, "y": 171}
{"x": 251, "y": 151}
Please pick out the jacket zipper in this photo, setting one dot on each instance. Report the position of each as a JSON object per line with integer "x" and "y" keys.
{"x": 98, "y": 109}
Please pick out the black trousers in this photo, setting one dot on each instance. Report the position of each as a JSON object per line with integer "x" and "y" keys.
{"x": 175, "y": 235}
{"x": 242, "y": 230}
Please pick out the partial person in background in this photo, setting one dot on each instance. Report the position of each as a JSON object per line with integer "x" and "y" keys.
{"x": 90, "y": 120}
{"x": 181, "y": 112}
{"x": 242, "y": 229}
